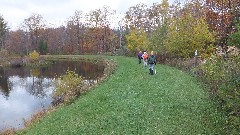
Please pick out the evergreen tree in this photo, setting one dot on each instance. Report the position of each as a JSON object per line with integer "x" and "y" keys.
{"x": 3, "y": 31}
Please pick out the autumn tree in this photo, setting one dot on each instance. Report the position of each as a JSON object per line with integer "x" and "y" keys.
{"x": 222, "y": 16}
{"x": 57, "y": 38}
{"x": 157, "y": 38}
{"x": 234, "y": 38}
{"x": 147, "y": 18}
{"x": 33, "y": 26}
{"x": 195, "y": 7}
{"x": 137, "y": 40}
{"x": 77, "y": 26}
{"x": 154, "y": 20}
{"x": 136, "y": 17}
{"x": 108, "y": 33}
{"x": 3, "y": 31}
{"x": 99, "y": 22}
{"x": 15, "y": 42}
{"x": 71, "y": 40}
{"x": 158, "y": 14}
{"x": 94, "y": 18}
{"x": 187, "y": 34}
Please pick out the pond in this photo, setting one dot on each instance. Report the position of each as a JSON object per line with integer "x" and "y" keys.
{"x": 25, "y": 91}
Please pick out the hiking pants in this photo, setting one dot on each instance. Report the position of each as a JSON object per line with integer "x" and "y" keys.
{"x": 151, "y": 68}
{"x": 145, "y": 62}
{"x": 139, "y": 60}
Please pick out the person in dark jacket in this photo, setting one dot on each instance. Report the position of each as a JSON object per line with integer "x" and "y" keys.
{"x": 140, "y": 57}
{"x": 151, "y": 62}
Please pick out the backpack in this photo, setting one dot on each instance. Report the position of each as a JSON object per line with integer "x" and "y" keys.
{"x": 151, "y": 60}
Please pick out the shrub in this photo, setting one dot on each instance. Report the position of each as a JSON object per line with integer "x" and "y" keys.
{"x": 214, "y": 69}
{"x": 229, "y": 96}
{"x": 34, "y": 55}
{"x": 234, "y": 39}
{"x": 229, "y": 93}
{"x": 223, "y": 77}
{"x": 4, "y": 53}
{"x": 68, "y": 87}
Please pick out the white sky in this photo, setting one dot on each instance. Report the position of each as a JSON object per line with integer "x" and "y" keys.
{"x": 58, "y": 11}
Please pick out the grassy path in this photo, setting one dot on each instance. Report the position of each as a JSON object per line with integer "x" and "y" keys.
{"x": 133, "y": 102}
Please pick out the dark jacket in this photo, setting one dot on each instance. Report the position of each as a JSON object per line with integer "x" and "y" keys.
{"x": 152, "y": 59}
{"x": 140, "y": 55}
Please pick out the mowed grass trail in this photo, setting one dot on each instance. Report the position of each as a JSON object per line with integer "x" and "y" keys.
{"x": 133, "y": 102}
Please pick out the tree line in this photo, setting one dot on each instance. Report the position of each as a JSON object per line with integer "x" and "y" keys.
{"x": 83, "y": 33}
{"x": 176, "y": 29}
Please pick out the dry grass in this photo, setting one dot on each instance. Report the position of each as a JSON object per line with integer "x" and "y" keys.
{"x": 9, "y": 132}
{"x": 38, "y": 116}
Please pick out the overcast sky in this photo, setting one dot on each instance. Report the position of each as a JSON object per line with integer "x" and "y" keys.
{"x": 58, "y": 11}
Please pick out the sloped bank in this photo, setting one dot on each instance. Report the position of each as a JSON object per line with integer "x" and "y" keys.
{"x": 109, "y": 67}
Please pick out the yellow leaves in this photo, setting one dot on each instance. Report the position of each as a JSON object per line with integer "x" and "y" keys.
{"x": 187, "y": 34}
{"x": 35, "y": 72}
{"x": 137, "y": 40}
{"x": 34, "y": 55}
{"x": 69, "y": 86}
{"x": 165, "y": 4}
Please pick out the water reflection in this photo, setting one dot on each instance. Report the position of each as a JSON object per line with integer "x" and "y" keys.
{"x": 21, "y": 103}
{"x": 24, "y": 91}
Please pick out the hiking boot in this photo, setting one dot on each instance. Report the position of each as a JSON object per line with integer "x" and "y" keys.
{"x": 150, "y": 71}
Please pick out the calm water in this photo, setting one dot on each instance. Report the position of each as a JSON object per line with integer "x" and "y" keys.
{"x": 24, "y": 91}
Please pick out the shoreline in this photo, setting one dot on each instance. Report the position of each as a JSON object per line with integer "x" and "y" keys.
{"x": 108, "y": 70}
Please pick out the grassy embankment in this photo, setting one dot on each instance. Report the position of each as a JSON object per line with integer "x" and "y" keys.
{"x": 133, "y": 102}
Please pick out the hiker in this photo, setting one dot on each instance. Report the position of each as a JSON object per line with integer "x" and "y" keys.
{"x": 145, "y": 59}
{"x": 140, "y": 56}
{"x": 151, "y": 62}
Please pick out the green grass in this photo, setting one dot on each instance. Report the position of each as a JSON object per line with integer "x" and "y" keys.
{"x": 132, "y": 102}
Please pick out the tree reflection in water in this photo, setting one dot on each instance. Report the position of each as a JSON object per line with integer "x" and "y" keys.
{"x": 36, "y": 80}
{"x": 24, "y": 91}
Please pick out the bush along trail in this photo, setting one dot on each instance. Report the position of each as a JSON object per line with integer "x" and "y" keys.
{"x": 131, "y": 101}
